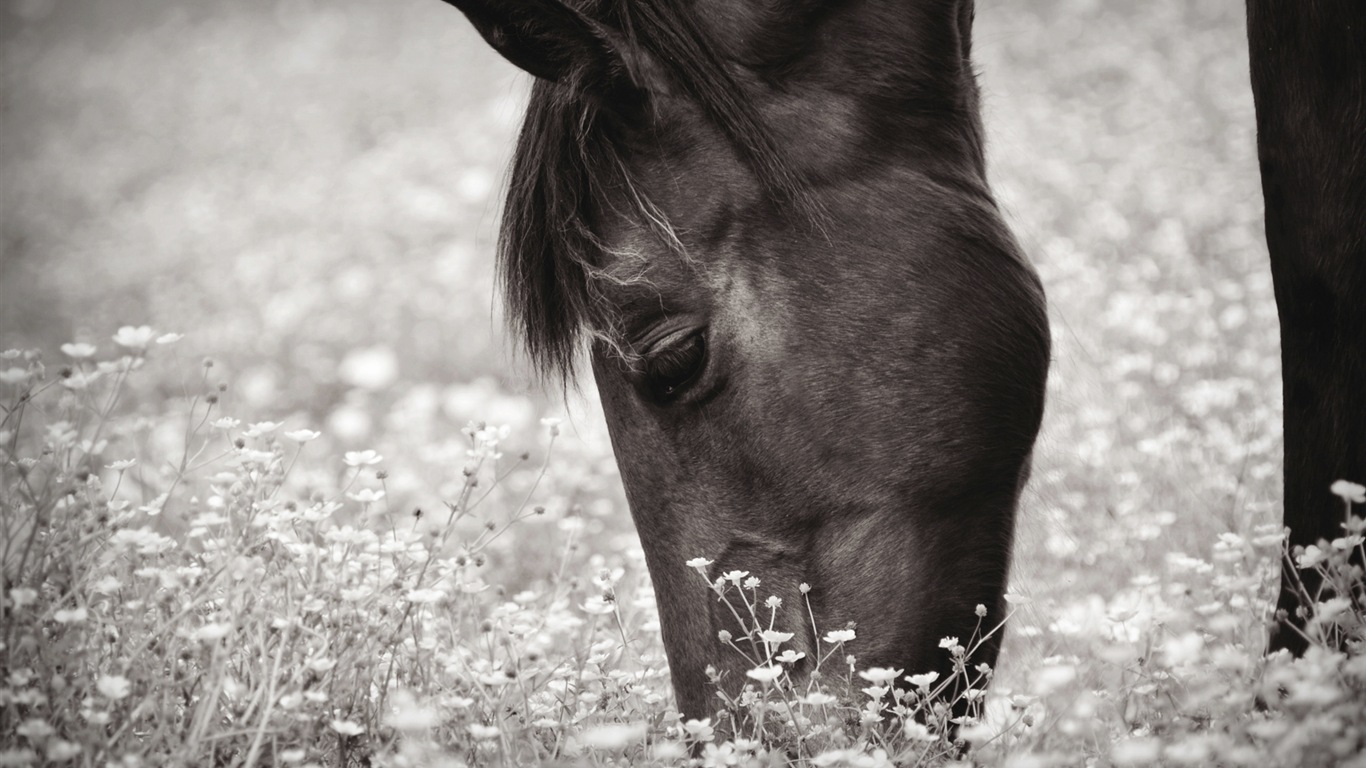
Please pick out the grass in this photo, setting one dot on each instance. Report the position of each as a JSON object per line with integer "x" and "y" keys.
{"x": 304, "y": 191}
{"x": 180, "y": 588}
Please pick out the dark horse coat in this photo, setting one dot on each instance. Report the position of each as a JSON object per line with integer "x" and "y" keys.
{"x": 820, "y": 352}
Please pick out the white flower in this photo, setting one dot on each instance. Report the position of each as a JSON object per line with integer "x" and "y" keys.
{"x": 212, "y": 631}
{"x": 1349, "y": 491}
{"x": 613, "y": 736}
{"x": 109, "y": 585}
{"x": 774, "y": 637}
{"x": 347, "y": 728}
{"x": 1327, "y": 610}
{"x": 1138, "y": 750}
{"x": 923, "y": 681}
{"x": 817, "y": 698}
{"x": 766, "y": 673}
{"x": 121, "y": 465}
{"x": 1311, "y": 557}
{"x": 1015, "y": 599}
{"x": 14, "y": 376}
{"x": 169, "y": 338}
{"x": 735, "y": 577}
{"x": 227, "y": 422}
{"x": 134, "y": 338}
{"x": 948, "y": 642}
{"x": 409, "y": 715}
{"x": 70, "y": 616}
{"x": 424, "y": 596}
{"x": 367, "y": 495}
{"x": 303, "y": 435}
{"x": 839, "y": 636}
{"x": 34, "y": 729}
{"x": 790, "y": 656}
{"x": 1052, "y": 678}
{"x": 553, "y": 423}
{"x": 81, "y": 380}
{"x": 262, "y": 428}
{"x": 917, "y": 731}
{"x": 700, "y": 730}
{"x": 699, "y": 564}
{"x": 61, "y": 750}
{"x": 597, "y": 606}
{"x": 362, "y": 458}
{"x": 481, "y": 732}
{"x": 22, "y": 596}
{"x": 78, "y": 350}
{"x": 880, "y": 674}
{"x": 113, "y": 687}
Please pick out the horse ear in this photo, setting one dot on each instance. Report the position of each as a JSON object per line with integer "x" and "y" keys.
{"x": 544, "y": 37}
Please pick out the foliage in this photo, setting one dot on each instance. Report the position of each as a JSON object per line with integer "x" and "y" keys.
{"x": 192, "y": 601}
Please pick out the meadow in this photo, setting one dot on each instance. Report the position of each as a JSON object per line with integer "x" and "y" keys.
{"x": 276, "y": 490}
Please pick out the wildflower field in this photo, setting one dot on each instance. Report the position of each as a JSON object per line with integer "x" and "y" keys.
{"x": 275, "y": 492}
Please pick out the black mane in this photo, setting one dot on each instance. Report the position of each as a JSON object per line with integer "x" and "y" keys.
{"x": 568, "y": 159}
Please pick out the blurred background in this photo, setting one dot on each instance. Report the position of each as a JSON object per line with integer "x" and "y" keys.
{"x": 309, "y": 191}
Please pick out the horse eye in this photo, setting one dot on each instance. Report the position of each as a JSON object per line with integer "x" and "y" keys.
{"x": 668, "y": 371}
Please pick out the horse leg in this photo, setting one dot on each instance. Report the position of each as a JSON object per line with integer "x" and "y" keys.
{"x": 1308, "y": 62}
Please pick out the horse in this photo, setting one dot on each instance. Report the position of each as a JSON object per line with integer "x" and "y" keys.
{"x": 820, "y": 351}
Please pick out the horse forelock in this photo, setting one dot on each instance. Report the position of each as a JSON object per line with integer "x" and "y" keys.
{"x": 569, "y": 160}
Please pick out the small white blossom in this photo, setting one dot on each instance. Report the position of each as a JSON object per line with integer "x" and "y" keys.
{"x": 61, "y": 750}
{"x": 303, "y": 435}
{"x": 22, "y": 596}
{"x": 735, "y": 577}
{"x": 597, "y": 606}
{"x": 839, "y": 636}
{"x": 923, "y": 681}
{"x": 766, "y": 673}
{"x": 134, "y": 338}
{"x": 1310, "y": 557}
{"x": 212, "y": 631}
{"x": 34, "y": 729}
{"x": 917, "y": 731}
{"x": 1349, "y": 491}
{"x": 78, "y": 350}
{"x": 699, "y": 730}
{"x": 480, "y": 732}
{"x": 113, "y": 687}
{"x": 774, "y": 637}
{"x": 880, "y": 674}
{"x": 362, "y": 458}
{"x": 262, "y": 428}
{"x": 70, "y": 615}
{"x": 347, "y": 728}
{"x": 424, "y": 596}
{"x": 613, "y": 736}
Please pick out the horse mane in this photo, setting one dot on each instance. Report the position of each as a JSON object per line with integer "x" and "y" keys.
{"x": 570, "y": 155}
